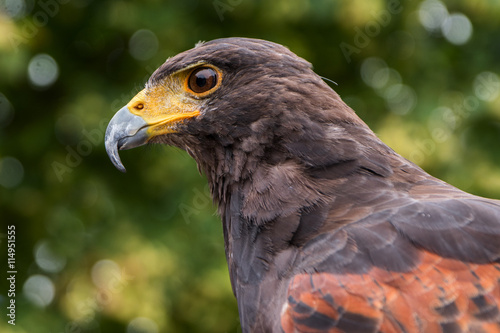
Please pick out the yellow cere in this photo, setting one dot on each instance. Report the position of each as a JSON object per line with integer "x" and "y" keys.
{"x": 164, "y": 105}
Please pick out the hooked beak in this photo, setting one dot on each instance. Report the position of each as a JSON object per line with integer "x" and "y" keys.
{"x": 125, "y": 131}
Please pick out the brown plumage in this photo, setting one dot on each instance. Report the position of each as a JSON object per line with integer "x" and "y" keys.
{"x": 326, "y": 228}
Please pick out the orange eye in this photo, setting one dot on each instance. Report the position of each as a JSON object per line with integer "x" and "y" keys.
{"x": 202, "y": 80}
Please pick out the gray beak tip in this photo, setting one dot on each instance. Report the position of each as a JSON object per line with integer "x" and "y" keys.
{"x": 125, "y": 131}
{"x": 112, "y": 149}
{"x": 115, "y": 159}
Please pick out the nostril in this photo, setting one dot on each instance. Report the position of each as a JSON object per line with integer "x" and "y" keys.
{"x": 139, "y": 106}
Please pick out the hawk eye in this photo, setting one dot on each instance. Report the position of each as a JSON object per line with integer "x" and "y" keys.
{"x": 202, "y": 80}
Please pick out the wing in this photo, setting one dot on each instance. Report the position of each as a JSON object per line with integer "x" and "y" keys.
{"x": 427, "y": 266}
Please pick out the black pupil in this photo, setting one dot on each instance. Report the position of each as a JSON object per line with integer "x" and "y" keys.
{"x": 203, "y": 80}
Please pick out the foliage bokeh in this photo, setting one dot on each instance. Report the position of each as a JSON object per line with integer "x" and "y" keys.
{"x": 101, "y": 251}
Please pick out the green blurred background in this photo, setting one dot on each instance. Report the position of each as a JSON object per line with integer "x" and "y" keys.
{"x": 102, "y": 251}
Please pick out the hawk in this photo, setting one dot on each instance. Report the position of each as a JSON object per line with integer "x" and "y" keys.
{"x": 326, "y": 228}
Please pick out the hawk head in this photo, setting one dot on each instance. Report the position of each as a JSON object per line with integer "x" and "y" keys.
{"x": 247, "y": 92}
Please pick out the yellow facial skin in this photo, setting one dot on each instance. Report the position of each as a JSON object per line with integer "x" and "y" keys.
{"x": 166, "y": 104}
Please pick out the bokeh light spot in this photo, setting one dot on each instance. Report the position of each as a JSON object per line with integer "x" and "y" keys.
{"x": 143, "y": 44}
{"x": 39, "y": 290}
{"x": 432, "y": 14}
{"x": 142, "y": 325}
{"x": 47, "y": 260}
{"x": 43, "y": 70}
{"x": 374, "y": 72}
{"x": 486, "y": 86}
{"x": 14, "y": 8}
{"x": 105, "y": 273}
{"x": 457, "y": 29}
{"x": 393, "y": 78}
{"x": 11, "y": 172}
{"x": 400, "y": 98}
